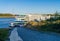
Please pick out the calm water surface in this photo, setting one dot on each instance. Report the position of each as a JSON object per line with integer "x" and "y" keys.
{"x": 5, "y": 22}
{"x": 32, "y": 35}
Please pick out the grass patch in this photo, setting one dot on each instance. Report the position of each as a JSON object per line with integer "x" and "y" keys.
{"x": 3, "y": 34}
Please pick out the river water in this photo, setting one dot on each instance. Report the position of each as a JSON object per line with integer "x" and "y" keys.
{"x": 5, "y": 22}
{"x": 32, "y": 35}
{"x": 28, "y": 34}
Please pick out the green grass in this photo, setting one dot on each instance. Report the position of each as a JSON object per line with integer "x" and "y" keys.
{"x": 3, "y": 34}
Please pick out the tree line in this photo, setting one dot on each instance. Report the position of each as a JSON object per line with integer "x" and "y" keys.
{"x": 6, "y": 14}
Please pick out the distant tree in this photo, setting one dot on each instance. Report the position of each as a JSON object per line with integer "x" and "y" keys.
{"x": 5, "y": 14}
{"x": 56, "y": 13}
{"x": 36, "y": 20}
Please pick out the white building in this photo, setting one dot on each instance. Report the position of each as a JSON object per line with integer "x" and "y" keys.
{"x": 38, "y": 17}
{"x": 32, "y": 17}
{"x": 22, "y": 18}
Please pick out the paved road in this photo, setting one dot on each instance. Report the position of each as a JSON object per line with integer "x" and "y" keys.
{"x": 31, "y": 35}
{"x": 14, "y": 35}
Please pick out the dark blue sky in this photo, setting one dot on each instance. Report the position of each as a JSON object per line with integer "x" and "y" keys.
{"x": 29, "y": 6}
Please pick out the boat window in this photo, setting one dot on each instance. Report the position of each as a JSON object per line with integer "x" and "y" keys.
{"x": 22, "y": 19}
